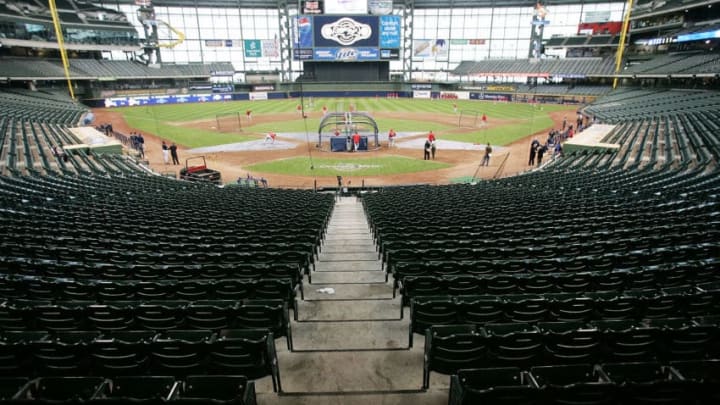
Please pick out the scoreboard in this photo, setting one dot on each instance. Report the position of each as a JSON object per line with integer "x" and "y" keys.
{"x": 346, "y": 38}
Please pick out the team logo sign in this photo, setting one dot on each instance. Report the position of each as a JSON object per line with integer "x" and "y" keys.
{"x": 347, "y": 54}
{"x": 346, "y": 31}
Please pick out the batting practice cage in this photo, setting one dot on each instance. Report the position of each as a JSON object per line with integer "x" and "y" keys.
{"x": 339, "y": 127}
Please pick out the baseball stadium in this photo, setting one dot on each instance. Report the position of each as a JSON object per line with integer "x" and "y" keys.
{"x": 359, "y": 202}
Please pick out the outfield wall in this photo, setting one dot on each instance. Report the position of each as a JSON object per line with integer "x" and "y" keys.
{"x": 147, "y": 100}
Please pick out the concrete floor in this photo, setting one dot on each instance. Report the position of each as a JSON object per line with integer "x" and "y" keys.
{"x": 351, "y": 347}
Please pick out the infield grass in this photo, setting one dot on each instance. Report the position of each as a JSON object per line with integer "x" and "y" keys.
{"x": 375, "y": 166}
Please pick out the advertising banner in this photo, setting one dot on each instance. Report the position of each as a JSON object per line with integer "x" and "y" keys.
{"x": 303, "y": 32}
{"x": 430, "y": 48}
{"x": 312, "y": 7}
{"x": 493, "y": 96}
{"x": 390, "y": 31}
{"x": 302, "y": 54}
{"x": 263, "y": 87}
{"x": 421, "y": 86}
{"x": 211, "y": 43}
{"x": 500, "y": 87}
{"x": 170, "y": 99}
{"x": 270, "y": 48}
{"x": 379, "y": 7}
{"x": 422, "y": 94}
{"x": 455, "y": 95}
{"x": 346, "y": 54}
{"x": 253, "y": 48}
{"x": 346, "y": 7}
{"x": 389, "y": 54}
{"x": 258, "y": 95}
{"x": 600, "y": 16}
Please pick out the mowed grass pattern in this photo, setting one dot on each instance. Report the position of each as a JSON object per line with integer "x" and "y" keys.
{"x": 167, "y": 120}
{"x": 376, "y": 166}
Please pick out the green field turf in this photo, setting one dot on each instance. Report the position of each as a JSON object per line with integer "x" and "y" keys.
{"x": 301, "y": 166}
{"x": 167, "y": 120}
{"x": 142, "y": 119}
{"x": 504, "y": 134}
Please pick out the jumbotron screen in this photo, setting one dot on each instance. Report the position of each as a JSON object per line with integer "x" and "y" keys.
{"x": 349, "y": 38}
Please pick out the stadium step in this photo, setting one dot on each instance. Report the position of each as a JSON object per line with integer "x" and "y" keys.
{"x": 329, "y": 311}
{"x": 347, "y": 256}
{"x": 431, "y": 397}
{"x": 346, "y": 277}
{"x": 350, "y": 335}
{"x": 366, "y": 247}
{"x": 350, "y": 371}
{"x": 356, "y": 243}
{"x": 364, "y": 265}
{"x": 358, "y": 291}
{"x": 349, "y": 340}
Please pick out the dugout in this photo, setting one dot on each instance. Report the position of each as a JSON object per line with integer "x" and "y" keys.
{"x": 347, "y": 124}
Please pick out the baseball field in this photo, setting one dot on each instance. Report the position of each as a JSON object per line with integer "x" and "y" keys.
{"x": 236, "y": 143}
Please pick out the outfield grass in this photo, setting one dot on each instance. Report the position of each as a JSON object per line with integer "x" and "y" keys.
{"x": 167, "y": 120}
{"x": 504, "y": 134}
{"x": 142, "y": 119}
{"x": 384, "y": 125}
{"x": 376, "y": 166}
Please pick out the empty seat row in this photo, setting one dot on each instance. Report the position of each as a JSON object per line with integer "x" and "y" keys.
{"x": 20, "y": 267}
{"x": 454, "y": 347}
{"x": 519, "y": 283}
{"x": 480, "y": 261}
{"x": 193, "y": 389}
{"x": 426, "y": 312}
{"x": 304, "y": 258}
{"x": 110, "y": 291}
{"x": 681, "y": 382}
{"x": 248, "y": 352}
{"x": 135, "y": 315}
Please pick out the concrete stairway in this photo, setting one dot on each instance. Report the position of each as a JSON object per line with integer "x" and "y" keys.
{"x": 350, "y": 345}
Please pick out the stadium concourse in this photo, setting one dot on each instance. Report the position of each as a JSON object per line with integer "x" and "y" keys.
{"x": 464, "y": 157}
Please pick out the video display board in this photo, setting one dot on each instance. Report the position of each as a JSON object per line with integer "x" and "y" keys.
{"x": 346, "y": 38}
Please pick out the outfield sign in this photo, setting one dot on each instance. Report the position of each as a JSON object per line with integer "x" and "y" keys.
{"x": 421, "y": 86}
{"x": 422, "y": 94}
{"x": 500, "y": 87}
{"x": 490, "y": 96}
{"x": 457, "y": 95}
{"x": 165, "y": 99}
{"x": 263, "y": 87}
{"x": 258, "y": 95}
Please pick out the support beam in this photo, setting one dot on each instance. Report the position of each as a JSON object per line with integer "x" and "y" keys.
{"x": 621, "y": 45}
{"x": 284, "y": 21}
{"x": 408, "y": 12}
{"x": 61, "y": 46}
